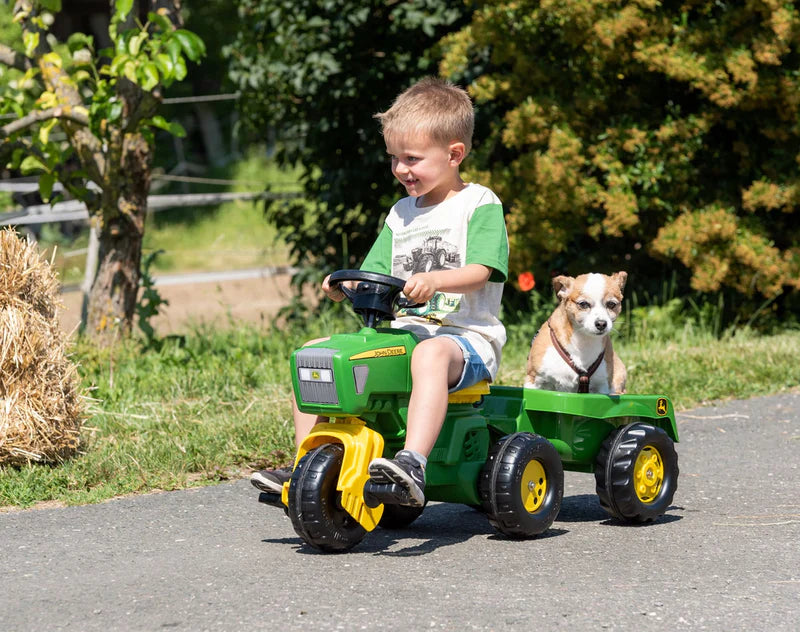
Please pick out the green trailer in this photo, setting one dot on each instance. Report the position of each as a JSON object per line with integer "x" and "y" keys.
{"x": 501, "y": 449}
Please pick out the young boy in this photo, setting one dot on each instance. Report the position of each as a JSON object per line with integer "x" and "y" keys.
{"x": 448, "y": 239}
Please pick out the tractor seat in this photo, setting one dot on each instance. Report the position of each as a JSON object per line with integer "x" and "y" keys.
{"x": 470, "y": 394}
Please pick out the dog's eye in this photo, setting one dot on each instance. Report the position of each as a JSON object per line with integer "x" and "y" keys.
{"x": 611, "y": 304}
{"x": 583, "y": 304}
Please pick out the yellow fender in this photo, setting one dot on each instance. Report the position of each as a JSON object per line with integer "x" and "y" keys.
{"x": 361, "y": 445}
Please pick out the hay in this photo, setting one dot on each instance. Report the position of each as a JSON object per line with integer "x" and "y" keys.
{"x": 41, "y": 410}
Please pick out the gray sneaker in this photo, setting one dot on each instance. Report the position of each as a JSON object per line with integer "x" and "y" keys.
{"x": 403, "y": 470}
{"x": 271, "y": 481}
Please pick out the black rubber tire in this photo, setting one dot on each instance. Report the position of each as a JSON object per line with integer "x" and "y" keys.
{"x": 615, "y": 472}
{"x": 501, "y": 482}
{"x": 314, "y": 508}
{"x": 399, "y": 516}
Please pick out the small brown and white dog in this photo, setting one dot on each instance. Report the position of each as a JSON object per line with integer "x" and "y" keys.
{"x": 572, "y": 351}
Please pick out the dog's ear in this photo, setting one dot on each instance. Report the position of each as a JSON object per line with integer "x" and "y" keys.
{"x": 620, "y": 278}
{"x": 562, "y": 285}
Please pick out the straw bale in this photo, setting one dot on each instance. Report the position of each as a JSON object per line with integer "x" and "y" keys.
{"x": 41, "y": 408}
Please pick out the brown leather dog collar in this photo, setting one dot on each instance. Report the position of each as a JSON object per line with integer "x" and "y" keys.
{"x": 583, "y": 374}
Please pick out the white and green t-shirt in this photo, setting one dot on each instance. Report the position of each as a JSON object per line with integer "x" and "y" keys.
{"x": 466, "y": 228}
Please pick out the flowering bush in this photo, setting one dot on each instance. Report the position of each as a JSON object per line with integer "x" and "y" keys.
{"x": 623, "y": 135}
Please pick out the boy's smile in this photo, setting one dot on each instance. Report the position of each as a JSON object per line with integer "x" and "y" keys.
{"x": 428, "y": 170}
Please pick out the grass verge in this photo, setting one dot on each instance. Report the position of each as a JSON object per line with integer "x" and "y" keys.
{"x": 217, "y": 404}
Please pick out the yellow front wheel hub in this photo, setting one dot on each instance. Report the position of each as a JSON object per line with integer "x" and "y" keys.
{"x": 534, "y": 486}
{"x": 648, "y": 474}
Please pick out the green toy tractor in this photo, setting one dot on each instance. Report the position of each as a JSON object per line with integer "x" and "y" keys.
{"x": 501, "y": 449}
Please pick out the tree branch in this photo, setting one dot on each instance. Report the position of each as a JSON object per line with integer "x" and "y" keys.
{"x": 66, "y": 113}
{"x": 11, "y": 58}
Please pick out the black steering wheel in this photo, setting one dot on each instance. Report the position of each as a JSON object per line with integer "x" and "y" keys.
{"x": 376, "y": 297}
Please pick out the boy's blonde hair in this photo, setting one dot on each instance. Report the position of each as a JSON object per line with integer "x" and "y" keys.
{"x": 434, "y": 107}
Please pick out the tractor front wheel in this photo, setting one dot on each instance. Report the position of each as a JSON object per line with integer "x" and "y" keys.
{"x": 636, "y": 473}
{"x": 521, "y": 485}
{"x": 315, "y": 504}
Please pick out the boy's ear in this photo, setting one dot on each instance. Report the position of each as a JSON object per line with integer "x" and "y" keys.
{"x": 458, "y": 152}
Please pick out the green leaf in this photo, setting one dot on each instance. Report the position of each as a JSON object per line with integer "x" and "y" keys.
{"x": 44, "y": 130}
{"x": 130, "y": 71}
{"x": 46, "y": 182}
{"x": 173, "y": 50}
{"x": 31, "y": 164}
{"x": 191, "y": 44}
{"x": 115, "y": 111}
{"x": 180, "y": 69}
{"x": 149, "y": 72}
{"x": 123, "y": 8}
{"x": 78, "y": 41}
{"x": 16, "y": 158}
{"x": 176, "y": 129}
{"x": 118, "y": 63}
{"x": 31, "y": 41}
{"x": 165, "y": 65}
{"x": 51, "y": 5}
{"x": 173, "y": 127}
{"x": 161, "y": 21}
{"x": 135, "y": 42}
{"x": 121, "y": 43}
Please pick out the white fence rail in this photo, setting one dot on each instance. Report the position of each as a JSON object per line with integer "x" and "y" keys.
{"x": 74, "y": 210}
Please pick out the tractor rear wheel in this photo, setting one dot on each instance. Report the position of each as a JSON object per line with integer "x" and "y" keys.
{"x": 315, "y": 505}
{"x": 636, "y": 473}
{"x": 521, "y": 485}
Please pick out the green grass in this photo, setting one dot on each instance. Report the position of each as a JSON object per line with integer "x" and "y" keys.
{"x": 230, "y": 236}
{"x": 218, "y": 405}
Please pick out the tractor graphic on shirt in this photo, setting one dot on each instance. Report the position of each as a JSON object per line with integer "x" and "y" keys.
{"x": 434, "y": 254}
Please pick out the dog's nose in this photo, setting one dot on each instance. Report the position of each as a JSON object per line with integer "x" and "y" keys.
{"x": 600, "y": 324}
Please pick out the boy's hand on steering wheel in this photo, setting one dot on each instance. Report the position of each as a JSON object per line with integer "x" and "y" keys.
{"x": 333, "y": 292}
{"x": 421, "y": 287}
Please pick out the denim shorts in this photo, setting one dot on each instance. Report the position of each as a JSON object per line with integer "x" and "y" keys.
{"x": 474, "y": 369}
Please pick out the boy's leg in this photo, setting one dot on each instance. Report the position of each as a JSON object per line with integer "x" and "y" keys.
{"x": 272, "y": 480}
{"x": 436, "y": 365}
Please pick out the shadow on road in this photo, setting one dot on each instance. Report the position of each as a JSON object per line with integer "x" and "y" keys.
{"x": 586, "y": 508}
{"x": 440, "y": 526}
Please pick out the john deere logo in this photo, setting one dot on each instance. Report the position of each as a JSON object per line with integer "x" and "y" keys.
{"x": 661, "y": 406}
{"x": 315, "y": 375}
{"x": 383, "y": 352}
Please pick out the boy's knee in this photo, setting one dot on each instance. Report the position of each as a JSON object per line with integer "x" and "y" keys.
{"x": 435, "y": 351}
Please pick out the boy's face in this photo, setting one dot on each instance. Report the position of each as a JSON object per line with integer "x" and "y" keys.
{"x": 428, "y": 170}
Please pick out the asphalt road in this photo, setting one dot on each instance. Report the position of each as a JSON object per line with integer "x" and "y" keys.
{"x": 725, "y": 557}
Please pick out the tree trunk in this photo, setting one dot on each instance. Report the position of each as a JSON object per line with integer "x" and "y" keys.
{"x": 120, "y": 224}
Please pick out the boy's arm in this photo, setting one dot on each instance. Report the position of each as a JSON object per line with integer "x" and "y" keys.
{"x": 423, "y": 285}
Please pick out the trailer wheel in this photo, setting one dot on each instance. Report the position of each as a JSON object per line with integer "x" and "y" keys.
{"x": 315, "y": 505}
{"x": 521, "y": 485}
{"x": 636, "y": 473}
{"x": 399, "y": 516}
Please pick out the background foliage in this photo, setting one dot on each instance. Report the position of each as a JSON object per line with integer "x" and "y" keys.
{"x": 629, "y": 135}
{"x": 656, "y": 137}
{"x": 315, "y": 71}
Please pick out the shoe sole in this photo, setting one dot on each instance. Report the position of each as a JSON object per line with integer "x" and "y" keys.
{"x": 264, "y": 485}
{"x": 385, "y": 472}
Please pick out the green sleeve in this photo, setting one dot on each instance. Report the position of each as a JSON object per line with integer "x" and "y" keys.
{"x": 379, "y": 257}
{"x": 487, "y": 241}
